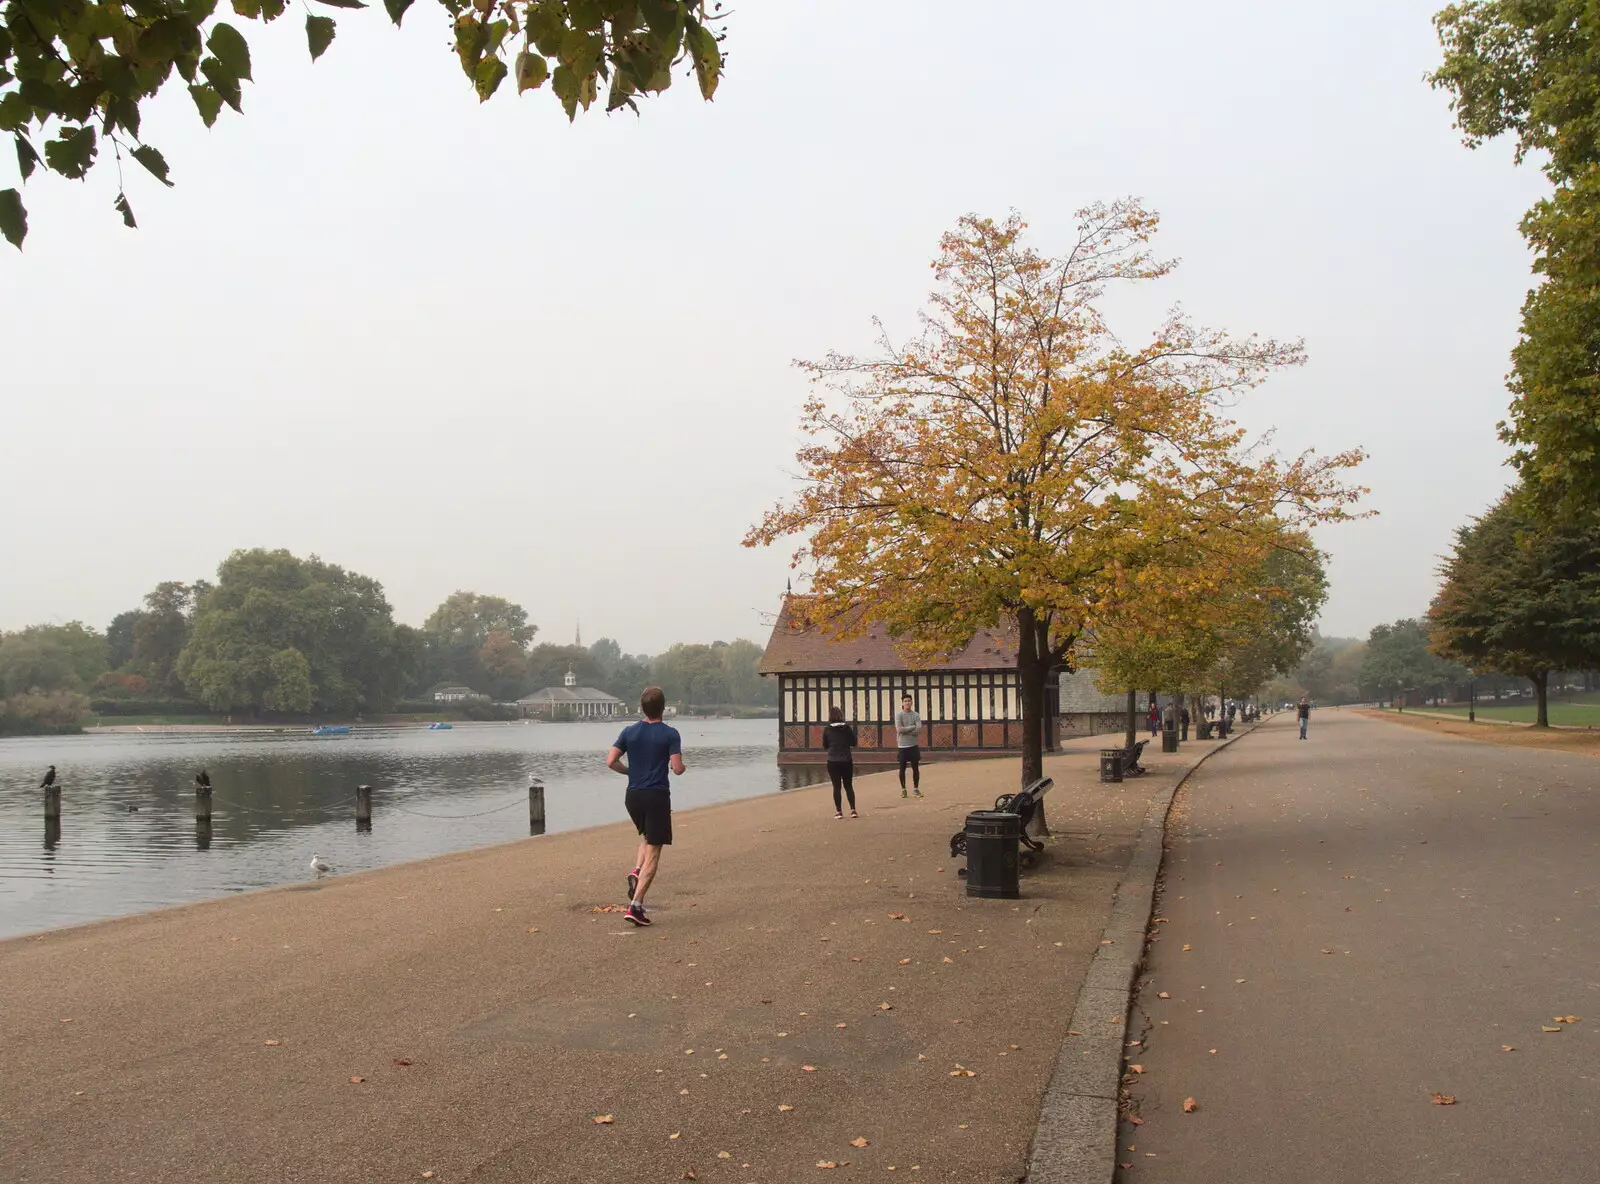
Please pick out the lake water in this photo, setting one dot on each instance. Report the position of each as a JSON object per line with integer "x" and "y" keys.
{"x": 279, "y": 797}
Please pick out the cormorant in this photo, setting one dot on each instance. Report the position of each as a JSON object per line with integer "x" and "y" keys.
{"x": 49, "y": 778}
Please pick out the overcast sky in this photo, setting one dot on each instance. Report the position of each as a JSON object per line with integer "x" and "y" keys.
{"x": 462, "y": 346}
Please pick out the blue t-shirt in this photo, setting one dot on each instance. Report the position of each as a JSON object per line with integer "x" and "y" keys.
{"x": 649, "y": 745}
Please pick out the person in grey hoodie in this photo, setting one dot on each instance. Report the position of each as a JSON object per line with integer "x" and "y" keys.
{"x": 907, "y": 731}
{"x": 839, "y": 738}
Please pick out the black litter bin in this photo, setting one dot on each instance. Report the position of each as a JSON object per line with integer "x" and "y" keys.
{"x": 992, "y": 837}
{"x": 1169, "y": 739}
{"x": 1111, "y": 764}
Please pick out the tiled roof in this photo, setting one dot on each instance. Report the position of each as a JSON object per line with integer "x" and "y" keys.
{"x": 797, "y": 649}
{"x": 569, "y": 695}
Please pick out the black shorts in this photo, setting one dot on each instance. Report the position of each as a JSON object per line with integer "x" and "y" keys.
{"x": 910, "y": 756}
{"x": 651, "y": 811}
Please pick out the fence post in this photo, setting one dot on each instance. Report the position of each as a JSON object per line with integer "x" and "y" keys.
{"x": 202, "y": 803}
{"x": 363, "y": 807}
{"x": 536, "y": 807}
{"x": 52, "y": 803}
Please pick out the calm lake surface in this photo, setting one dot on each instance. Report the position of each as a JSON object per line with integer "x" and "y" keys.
{"x": 279, "y": 797}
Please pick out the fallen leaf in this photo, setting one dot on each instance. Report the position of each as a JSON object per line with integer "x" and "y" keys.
{"x": 1508, "y": 1048}
{"x": 724, "y": 1155}
{"x": 603, "y": 1119}
{"x": 1162, "y": 995}
{"x": 272, "y": 1043}
{"x": 675, "y": 1134}
{"x": 905, "y": 961}
{"x": 357, "y": 1080}
{"x": 688, "y": 1174}
{"x": 784, "y": 1106}
{"x": 1325, "y": 950}
{"x": 427, "y": 1175}
{"x": 1548, "y": 1028}
{"x": 66, "y": 1021}
{"x": 948, "y": 959}
{"x": 402, "y": 1061}
{"x": 1566, "y": 1019}
{"x": 1240, "y": 980}
{"x": 1190, "y": 1105}
{"x": 858, "y": 1141}
{"x": 936, "y": 931}
{"x": 897, "y": 916}
{"x": 826, "y": 1163}
{"x": 808, "y": 1068}
{"x": 962, "y": 1071}
{"x": 1136, "y": 1120}
{"x": 1185, "y": 949}
{"x": 841, "y": 1025}
{"x": 534, "y": 929}
{"x": 1444, "y": 1099}
{"x": 886, "y": 1007}
{"x": 1136, "y": 1068}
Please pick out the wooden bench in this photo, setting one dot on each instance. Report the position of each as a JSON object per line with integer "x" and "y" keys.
{"x": 1130, "y": 759}
{"x": 1028, "y": 804}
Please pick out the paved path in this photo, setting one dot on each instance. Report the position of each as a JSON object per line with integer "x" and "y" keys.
{"x": 779, "y": 1010}
{"x": 1354, "y": 923}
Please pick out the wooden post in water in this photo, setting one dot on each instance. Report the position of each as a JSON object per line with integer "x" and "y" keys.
{"x": 52, "y": 803}
{"x": 536, "y": 808}
{"x": 202, "y": 803}
{"x": 363, "y": 807}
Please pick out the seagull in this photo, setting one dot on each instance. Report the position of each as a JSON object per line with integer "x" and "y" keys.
{"x": 49, "y": 778}
{"x": 202, "y": 779}
{"x": 320, "y": 867}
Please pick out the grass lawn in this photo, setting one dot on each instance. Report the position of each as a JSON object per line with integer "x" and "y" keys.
{"x": 1578, "y": 711}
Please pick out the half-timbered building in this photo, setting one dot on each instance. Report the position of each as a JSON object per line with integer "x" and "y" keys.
{"x": 970, "y": 702}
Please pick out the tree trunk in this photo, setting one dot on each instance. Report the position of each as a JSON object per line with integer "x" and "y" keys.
{"x": 1131, "y": 735}
{"x": 1541, "y": 690}
{"x": 1033, "y": 669}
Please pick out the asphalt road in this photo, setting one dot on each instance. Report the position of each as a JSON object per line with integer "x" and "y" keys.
{"x": 1355, "y": 923}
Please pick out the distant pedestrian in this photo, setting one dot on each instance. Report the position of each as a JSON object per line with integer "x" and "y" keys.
{"x": 839, "y": 738}
{"x": 907, "y": 737}
{"x": 1153, "y": 717}
{"x": 1183, "y": 723}
{"x": 652, "y": 748}
{"x": 1304, "y": 712}
{"x": 49, "y": 778}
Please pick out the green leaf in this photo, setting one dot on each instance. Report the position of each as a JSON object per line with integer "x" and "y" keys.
{"x": 342, "y": 3}
{"x": 470, "y": 38}
{"x": 125, "y": 210}
{"x": 223, "y": 80}
{"x": 565, "y": 83}
{"x": 319, "y": 34}
{"x": 532, "y": 70}
{"x": 155, "y": 164}
{"x": 123, "y": 113}
{"x": 586, "y": 14}
{"x": 271, "y": 10}
{"x": 490, "y": 74}
{"x": 546, "y": 25}
{"x": 71, "y": 153}
{"x": 396, "y": 9}
{"x": 27, "y": 157}
{"x": 15, "y": 111}
{"x": 230, "y": 47}
{"x": 249, "y": 9}
{"x": 707, "y": 54}
{"x": 208, "y": 101}
{"x": 13, "y": 217}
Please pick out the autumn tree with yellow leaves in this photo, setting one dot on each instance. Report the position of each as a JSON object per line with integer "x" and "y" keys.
{"x": 1016, "y": 463}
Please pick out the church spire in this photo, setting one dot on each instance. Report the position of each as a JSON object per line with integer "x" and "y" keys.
{"x": 577, "y": 634}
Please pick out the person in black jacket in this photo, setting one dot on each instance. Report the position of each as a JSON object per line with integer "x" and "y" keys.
{"x": 839, "y": 738}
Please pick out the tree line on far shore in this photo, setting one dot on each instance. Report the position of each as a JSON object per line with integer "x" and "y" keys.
{"x": 279, "y": 636}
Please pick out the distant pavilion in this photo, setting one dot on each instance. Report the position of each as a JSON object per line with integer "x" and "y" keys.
{"x": 570, "y": 701}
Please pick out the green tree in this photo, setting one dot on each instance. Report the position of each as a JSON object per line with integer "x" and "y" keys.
{"x": 288, "y": 688}
{"x": 1521, "y": 596}
{"x": 267, "y": 602}
{"x": 548, "y": 666}
{"x": 74, "y": 75}
{"x": 1528, "y": 68}
{"x": 50, "y": 658}
{"x": 1398, "y": 660}
{"x": 468, "y": 618}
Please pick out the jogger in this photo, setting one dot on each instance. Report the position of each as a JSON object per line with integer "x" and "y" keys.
{"x": 1304, "y": 711}
{"x": 654, "y": 748}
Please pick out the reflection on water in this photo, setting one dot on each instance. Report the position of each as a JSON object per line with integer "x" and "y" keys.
{"x": 128, "y": 838}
